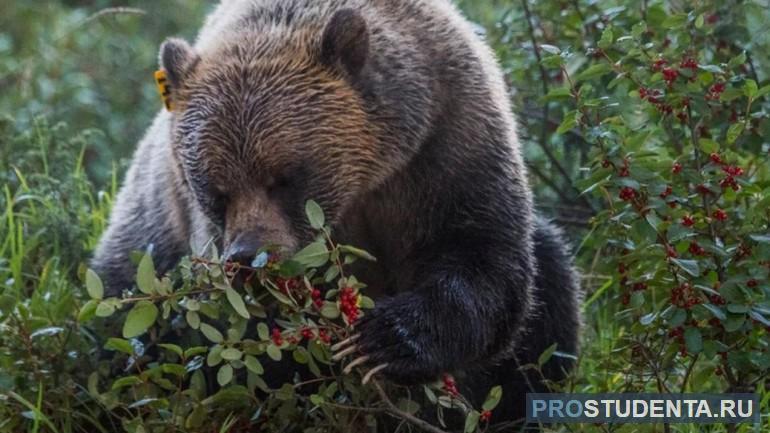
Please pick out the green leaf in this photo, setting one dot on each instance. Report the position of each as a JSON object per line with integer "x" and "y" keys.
{"x": 126, "y": 381}
{"x": 87, "y": 311}
{"x": 145, "y": 275}
{"x": 689, "y": 266}
{"x": 139, "y": 319}
{"x": 699, "y": 21}
{"x": 358, "y": 252}
{"x": 172, "y": 348}
{"x": 472, "y": 421}
{"x": 105, "y": 309}
{"x": 593, "y": 71}
{"x": 734, "y": 131}
{"x": 737, "y": 60}
{"x": 253, "y": 364}
{"x": 750, "y": 88}
{"x": 693, "y": 340}
{"x": 675, "y": 21}
{"x": 274, "y": 352}
{"x": 263, "y": 331}
{"x": 716, "y": 311}
{"x": 330, "y": 310}
{"x": 550, "y": 49}
{"x": 493, "y": 398}
{"x": 231, "y": 354}
{"x": 607, "y": 38}
{"x": 763, "y": 239}
{"x": 552, "y": 61}
{"x": 569, "y": 122}
{"x": 236, "y": 301}
{"x": 313, "y": 255}
{"x": 193, "y": 319}
{"x": 546, "y": 355}
{"x": 119, "y": 345}
{"x": 314, "y": 214}
{"x": 763, "y": 91}
{"x": 367, "y": 303}
{"x": 94, "y": 285}
{"x": 212, "y": 333}
{"x": 558, "y": 93}
{"x": 286, "y": 392}
{"x": 225, "y": 374}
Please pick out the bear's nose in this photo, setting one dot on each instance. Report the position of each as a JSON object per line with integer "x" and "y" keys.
{"x": 242, "y": 249}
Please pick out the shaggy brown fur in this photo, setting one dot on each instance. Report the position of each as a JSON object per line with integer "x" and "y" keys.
{"x": 393, "y": 115}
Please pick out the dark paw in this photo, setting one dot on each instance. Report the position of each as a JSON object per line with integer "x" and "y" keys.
{"x": 393, "y": 340}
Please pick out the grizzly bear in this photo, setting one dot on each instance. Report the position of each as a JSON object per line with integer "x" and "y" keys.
{"x": 393, "y": 115}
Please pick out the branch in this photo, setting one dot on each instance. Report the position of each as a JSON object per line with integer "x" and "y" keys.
{"x": 398, "y": 413}
{"x": 543, "y": 142}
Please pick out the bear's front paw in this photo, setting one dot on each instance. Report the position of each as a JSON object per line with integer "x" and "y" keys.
{"x": 393, "y": 340}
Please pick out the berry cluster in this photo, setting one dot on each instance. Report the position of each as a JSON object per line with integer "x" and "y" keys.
{"x": 324, "y": 336}
{"x": 317, "y": 297}
{"x": 350, "y": 304}
{"x": 715, "y": 91}
{"x": 720, "y": 215}
{"x": 450, "y": 386}
{"x": 627, "y": 193}
{"x": 696, "y": 250}
{"x": 683, "y": 296}
{"x": 276, "y": 337}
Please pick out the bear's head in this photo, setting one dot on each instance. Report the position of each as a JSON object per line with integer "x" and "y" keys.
{"x": 271, "y": 119}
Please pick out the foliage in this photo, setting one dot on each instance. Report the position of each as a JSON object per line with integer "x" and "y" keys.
{"x": 646, "y": 134}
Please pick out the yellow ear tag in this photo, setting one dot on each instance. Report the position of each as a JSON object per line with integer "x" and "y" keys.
{"x": 163, "y": 88}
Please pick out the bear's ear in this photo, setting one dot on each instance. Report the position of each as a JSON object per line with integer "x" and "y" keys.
{"x": 176, "y": 56}
{"x": 345, "y": 42}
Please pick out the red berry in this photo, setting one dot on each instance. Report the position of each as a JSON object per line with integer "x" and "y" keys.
{"x": 658, "y": 65}
{"x": 752, "y": 283}
{"x": 732, "y": 170}
{"x": 676, "y": 168}
{"x": 670, "y": 75}
{"x": 696, "y": 249}
{"x": 720, "y": 215}
{"x": 485, "y": 416}
{"x": 627, "y": 193}
{"x": 715, "y": 158}
{"x": 277, "y": 337}
{"x": 671, "y": 252}
{"x": 689, "y": 62}
{"x": 688, "y": 221}
{"x": 307, "y": 333}
{"x": 324, "y": 336}
{"x": 703, "y": 189}
{"x": 667, "y": 192}
{"x": 450, "y": 386}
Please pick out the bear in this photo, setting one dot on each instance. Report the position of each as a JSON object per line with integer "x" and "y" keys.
{"x": 394, "y": 116}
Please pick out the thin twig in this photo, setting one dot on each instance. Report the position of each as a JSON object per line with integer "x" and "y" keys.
{"x": 406, "y": 416}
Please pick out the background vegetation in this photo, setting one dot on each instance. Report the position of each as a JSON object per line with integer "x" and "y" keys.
{"x": 646, "y": 130}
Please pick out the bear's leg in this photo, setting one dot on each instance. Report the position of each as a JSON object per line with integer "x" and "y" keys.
{"x": 555, "y": 318}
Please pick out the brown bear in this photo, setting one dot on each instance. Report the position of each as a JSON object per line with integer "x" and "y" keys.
{"x": 393, "y": 115}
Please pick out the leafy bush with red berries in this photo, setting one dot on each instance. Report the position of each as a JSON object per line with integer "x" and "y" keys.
{"x": 664, "y": 110}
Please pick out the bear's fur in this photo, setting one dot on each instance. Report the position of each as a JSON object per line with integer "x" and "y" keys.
{"x": 394, "y": 116}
